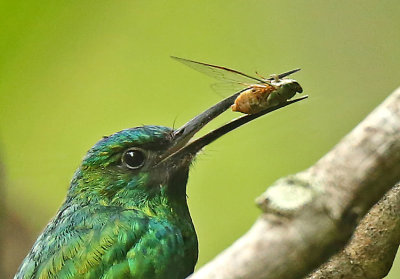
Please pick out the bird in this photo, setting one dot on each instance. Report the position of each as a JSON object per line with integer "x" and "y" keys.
{"x": 122, "y": 217}
{"x": 126, "y": 213}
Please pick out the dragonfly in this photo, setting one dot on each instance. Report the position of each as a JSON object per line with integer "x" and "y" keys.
{"x": 258, "y": 94}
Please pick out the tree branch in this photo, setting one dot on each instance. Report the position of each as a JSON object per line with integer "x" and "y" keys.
{"x": 310, "y": 216}
{"x": 372, "y": 248}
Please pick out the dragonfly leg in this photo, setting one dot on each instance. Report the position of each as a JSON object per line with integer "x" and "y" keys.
{"x": 275, "y": 77}
{"x": 260, "y": 76}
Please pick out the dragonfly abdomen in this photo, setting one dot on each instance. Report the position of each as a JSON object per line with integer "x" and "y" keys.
{"x": 254, "y": 99}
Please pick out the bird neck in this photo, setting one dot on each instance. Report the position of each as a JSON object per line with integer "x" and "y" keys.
{"x": 166, "y": 199}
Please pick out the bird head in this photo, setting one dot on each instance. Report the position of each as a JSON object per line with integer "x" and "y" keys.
{"x": 148, "y": 164}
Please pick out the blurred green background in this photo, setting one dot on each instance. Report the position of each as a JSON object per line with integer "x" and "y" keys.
{"x": 73, "y": 71}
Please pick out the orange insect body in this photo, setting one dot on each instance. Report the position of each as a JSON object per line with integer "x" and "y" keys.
{"x": 259, "y": 97}
{"x": 260, "y": 93}
{"x": 254, "y": 99}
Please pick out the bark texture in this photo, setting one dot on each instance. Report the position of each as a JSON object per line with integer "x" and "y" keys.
{"x": 311, "y": 215}
{"x": 372, "y": 248}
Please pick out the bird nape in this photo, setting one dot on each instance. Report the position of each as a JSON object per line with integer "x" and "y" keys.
{"x": 126, "y": 214}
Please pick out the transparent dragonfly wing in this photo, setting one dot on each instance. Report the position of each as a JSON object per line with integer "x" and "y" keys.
{"x": 220, "y": 73}
{"x": 230, "y": 80}
{"x": 223, "y": 89}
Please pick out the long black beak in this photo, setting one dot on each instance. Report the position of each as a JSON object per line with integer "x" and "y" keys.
{"x": 182, "y": 147}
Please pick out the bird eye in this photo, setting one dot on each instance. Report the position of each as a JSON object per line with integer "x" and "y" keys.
{"x": 133, "y": 158}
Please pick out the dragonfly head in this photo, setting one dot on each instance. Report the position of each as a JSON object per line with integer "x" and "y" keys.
{"x": 295, "y": 86}
{"x": 289, "y": 84}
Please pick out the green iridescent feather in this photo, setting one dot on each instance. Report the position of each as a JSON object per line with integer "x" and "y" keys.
{"x": 117, "y": 222}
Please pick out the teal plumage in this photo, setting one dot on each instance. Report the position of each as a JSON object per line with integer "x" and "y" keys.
{"x": 126, "y": 214}
{"x": 117, "y": 222}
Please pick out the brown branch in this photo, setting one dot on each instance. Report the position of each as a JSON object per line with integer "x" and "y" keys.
{"x": 310, "y": 216}
{"x": 372, "y": 248}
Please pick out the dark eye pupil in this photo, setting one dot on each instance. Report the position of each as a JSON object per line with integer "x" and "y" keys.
{"x": 134, "y": 159}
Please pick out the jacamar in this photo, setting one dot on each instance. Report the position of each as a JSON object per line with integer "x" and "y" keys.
{"x": 126, "y": 214}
